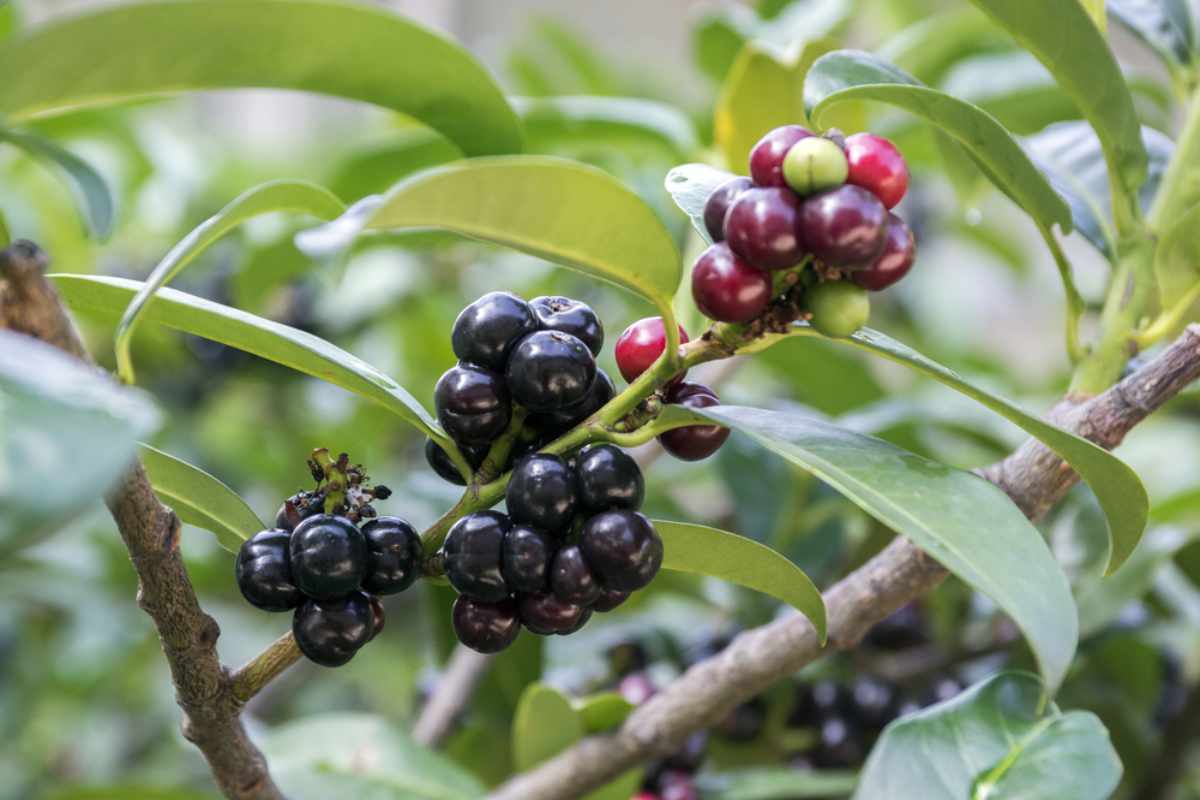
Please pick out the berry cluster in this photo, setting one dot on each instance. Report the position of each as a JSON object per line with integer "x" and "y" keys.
{"x": 824, "y": 197}
{"x": 320, "y": 561}
{"x": 573, "y": 542}
{"x": 540, "y": 355}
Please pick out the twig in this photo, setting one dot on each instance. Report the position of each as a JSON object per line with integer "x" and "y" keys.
{"x": 1033, "y": 476}
{"x": 150, "y": 530}
{"x": 253, "y": 676}
{"x": 453, "y": 691}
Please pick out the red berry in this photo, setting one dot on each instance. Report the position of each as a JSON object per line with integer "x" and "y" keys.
{"x": 762, "y": 226}
{"x": 766, "y": 159}
{"x": 894, "y": 262}
{"x": 845, "y": 227}
{"x": 876, "y": 165}
{"x": 640, "y": 346}
{"x": 695, "y": 442}
{"x": 718, "y": 203}
{"x": 728, "y": 289}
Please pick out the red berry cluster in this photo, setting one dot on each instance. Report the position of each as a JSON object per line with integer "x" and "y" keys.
{"x": 822, "y": 197}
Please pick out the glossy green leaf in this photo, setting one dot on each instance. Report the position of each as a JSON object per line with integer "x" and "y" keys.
{"x": 1166, "y": 26}
{"x": 200, "y": 499}
{"x": 273, "y": 341}
{"x": 544, "y": 725}
{"x": 1117, "y": 487}
{"x": 568, "y": 120}
{"x": 965, "y": 523}
{"x": 720, "y": 554}
{"x": 1086, "y": 69}
{"x": 89, "y": 188}
{"x": 374, "y": 169}
{"x": 295, "y": 196}
{"x": 559, "y": 210}
{"x": 1177, "y": 259}
{"x": 1012, "y": 86}
{"x": 992, "y": 742}
{"x": 150, "y": 49}
{"x": 932, "y": 45}
{"x": 67, "y": 432}
{"x": 855, "y": 75}
{"x": 689, "y": 186}
{"x": 1095, "y": 9}
{"x": 602, "y": 712}
{"x": 778, "y": 783}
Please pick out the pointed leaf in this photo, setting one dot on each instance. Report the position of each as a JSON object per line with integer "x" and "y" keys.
{"x": 559, "y": 210}
{"x": 544, "y": 725}
{"x": 603, "y": 711}
{"x": 200, "y": 499}
{"x": 90, "y": 189}
{"x": 568, "y": 120}
{"x": 965, "y": 523}
{"x": 273, "y": 341}
{"x": 690, "y": 185}
{"x": 720, "y": 554}
{"x": 296, "y": 196}
{"x": 776, "y": 783}
{"x": 1166, "y": 26}
{"x": 150, "y": 49}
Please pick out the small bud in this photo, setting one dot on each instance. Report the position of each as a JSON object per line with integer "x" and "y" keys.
{"x": 814, "y": 164}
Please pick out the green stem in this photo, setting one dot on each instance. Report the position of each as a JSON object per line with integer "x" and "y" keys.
{"x": 1075, "y": 303}
{"x": 1180, "y": 187}
{"x": 1169, "y": 320}
{"x": 497, "y": 457}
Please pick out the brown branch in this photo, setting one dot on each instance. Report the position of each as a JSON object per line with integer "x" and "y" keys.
{"x": 150, "y": 530}
{"x": 453, "y": 691}
{"x": 1034, "y": 477}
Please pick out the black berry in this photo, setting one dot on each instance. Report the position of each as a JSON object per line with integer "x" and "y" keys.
{"x": 609, "y": 599}
{"x": 598, "y": 395}
{"x": 296, "y": 509}
{"x": 393, "y": 555}
{"x": 486, "y": 330}
{"x": 571, "y": 578}
{"x": 328, "y": 556}
{"x": 550, "y": 370}
{"x": 622, "y": 548}
{"x": 485, "y": 627}
{"x": 609, "y": 478}
{"x": 541, "y": 493}
{"x": 472, "y": 551}
{"x": 693, "y": 442}
{"x": 330, "y": 632}
{"x": 264, "y": 573}
{"x": 570, "y": 316}
{"x": 472, "y": 404}
{"x": 525, "y": 560}
{"x": 718, "y": 203}
{"x": 545, "y": 614}
{"x": 440, "y": 461}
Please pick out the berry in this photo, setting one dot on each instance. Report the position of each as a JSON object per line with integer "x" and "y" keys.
{"x": 571, "y": 579}
{"x": 570, "y": 316}
{"x": 693, "y": 442}
{"x": 440, "y": 461}
{"x": 550, "y": 370}
{"x": 766, "y": 159}
{"x": 296, "y": 509}
{"x": 877, "y": 166}
{"x": 903, "y": 629}
{"x": 763, "y": 227}
{"x": 583, "y": 620}
{"x": 264, "y": 572}
{"x": 486, "y": 330}
{"x": 844, "y": 227}
{"x": 545, "y": 614}
{"x": 622, "y": 548}
{"x": 728, "y": 289}
{"x": 640, "y": 346}
{"x": 330, "y": 632}
{"x": 718, "y": 204}
{"x": 328, "y": 556}
{"x": 814, "y": 164}
{"x": 378, "y": 617}
{"x": 838, "y": 308}
{"x": 525, "y": 559}
{"x": 609, "y": 599}
{"x": 541, "y": 493}
{"x": 485, "y": 627}
{"x": 472, "y": 551}
{"x": 393, "y": 555}
{"x": 472, "y": 404}
{"x": 894, "y": 262}
{"x": 608, "y": 478}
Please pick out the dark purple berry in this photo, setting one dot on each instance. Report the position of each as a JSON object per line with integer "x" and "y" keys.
{"x": 328, "y": 556}
{"x": 570, "y": 316}
{"x": 393, "y": 555}
{"x": 728, "y": 289}
{"x": 541, "y": 493}
{"x": 440, "y": 461}
{"x": 763, "y": 227}
{"x": 330, "y": 632}
{"x": 264, "y": 572}
{"x": 571, "y": 579}
{"x": 296, "y": 509}
{"x": 600, "y": 392}
{"x": 473, "y": 550}
{"x": 718, "y": 204}
{"x": 622, "y": 549}
{"x": 525, "y": 560}
{"x": 609, "y": 599}
{"x": 485, "y": 627}
{"x": 472, "y": 404}
{"x": 486, "y": 330}
{"x": 693, "y": 442}
{"x": 545, "y": 614}
{"x": 766, "y": 159}
{"x": 894, "y": 262}
{"x": 608, "y": 478}
{"x": 844, "y": 227}
{"x": 549, "y": 371}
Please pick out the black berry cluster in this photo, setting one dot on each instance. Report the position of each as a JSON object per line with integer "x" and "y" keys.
{"x": 540, "y": 355}
{"x": 329, "y": 557}
{"x": 824, "y": 197}
{"x": 573, "y": 542}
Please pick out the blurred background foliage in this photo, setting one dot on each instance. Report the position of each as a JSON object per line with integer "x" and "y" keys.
{"x": 86, "y": 707}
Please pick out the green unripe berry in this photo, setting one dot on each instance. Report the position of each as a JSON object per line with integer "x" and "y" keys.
{"x": 814, "y": 164}
{"x": 838, "y": 308}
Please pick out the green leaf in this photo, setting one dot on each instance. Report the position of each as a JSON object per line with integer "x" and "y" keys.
{"x": 1177, "y": 259}
{"x": 1087, "y": 70}
{"x": 294, "y": 196}
{"x": 720, "y": 35}
{"x": 1013, "y": 87}
{"x": 721, "y": 554}
{"x": 1166, "y": 26}
{"x": 689, "y": 186}
{"x": 602, "y": 712}
{"x": 1117, "y": 487}
{"x": 545, "y": 724}
{"x": 273, "y": 341}
{"x": 9, "y": 21}
{"x": 67, "y": 433}
{"x": 766, "y": 783}
{"x": 1095, "y": 9}
{"x": 5, "y": 236}
{"x": 91, "y": 191}
{"x": 375, "y": 168}
{"x": 993, "y": 741}
{"x": 1102, "y": 600}
{"x": 965, "y": 523}
{"x": 567, "y": 121}
{"x": 158, "y": 48}
{"x": 200, "y": 499}
{"x": 559, "y": 210}
{"x": 855, "y": 75}
{"x": 932, "y": 45}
